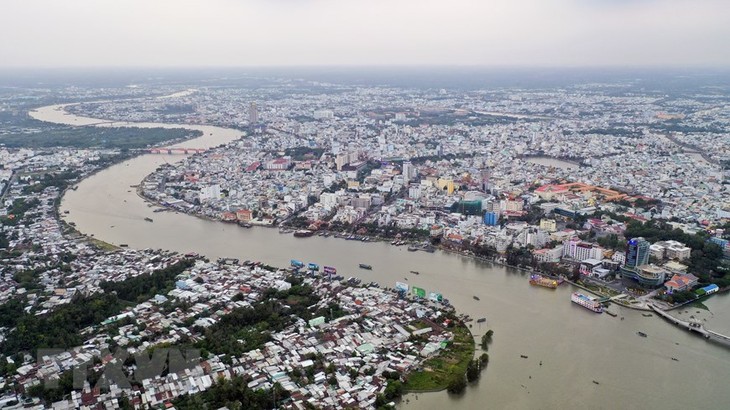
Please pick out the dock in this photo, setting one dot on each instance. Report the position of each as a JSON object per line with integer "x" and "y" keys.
{"x": 695, "y": 327}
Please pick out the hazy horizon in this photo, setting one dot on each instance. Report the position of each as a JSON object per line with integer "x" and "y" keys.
{"x": 356, "y": 33}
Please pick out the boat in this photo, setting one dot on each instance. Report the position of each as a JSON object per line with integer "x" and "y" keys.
{"x": 303, "y": 233}
{"x": 642, "y": 334}
{"x": 610, "y": 313}
{"x": 296, "y": 264}
{"x": 587, "y": 302}
{"x": 523, "y": 356}
{"x": 366, "y": 267}
{"x": 595, "y": 382}
{"x": 540, "y": 280}
{"x": 245, "y": 225}
{"x": 148, "y": 219}
{"x": 313, "y": 267}
{"x": 123, "y": 245}
{"x": 675, "y": 359}
{"x": 475, "y": 297}
{"x": 481, "y": 320}
{"x": 415, "y": 272}
{"x": 647, "y": 314}
{"x": 412, "y": 248}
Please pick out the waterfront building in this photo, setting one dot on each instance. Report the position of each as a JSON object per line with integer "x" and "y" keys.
{"x": 637, "y": 252}
{"x": 680, "y": 283}
{"x": 578, "y": 250}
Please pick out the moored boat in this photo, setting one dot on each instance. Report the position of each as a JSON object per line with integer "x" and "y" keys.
{"x": 303, "y": 233}
{"x": 540, "y": 280}
{"x": 476, "y": 297}
{"x": 587, "y": 302}
{"x": 365, "y": 266}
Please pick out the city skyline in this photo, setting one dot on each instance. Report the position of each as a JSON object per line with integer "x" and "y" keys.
{"x": 83, "y": 33}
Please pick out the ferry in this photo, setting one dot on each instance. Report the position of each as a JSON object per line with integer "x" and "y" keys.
{"x": 366, "y": 267}
{"x": 540, "y": 280}
{"x": 587, "y": 302}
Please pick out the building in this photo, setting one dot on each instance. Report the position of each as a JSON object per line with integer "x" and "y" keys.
{"x": 244, "y": 215}
{"x": 578, "y": 250}
{"x": 485, "y": 184}
{"x": 680, "y": 283}
{"x": 670, "y": 250}
{"x": 409, "y": 171}
{"x": 253, "y": 113}
{"x": 491, "y": 218}
{"x": 278, "y": 164}
{"x": 548, "y": 255}
{"x": 637, "y": 252}
{"x": 548, "y": 225}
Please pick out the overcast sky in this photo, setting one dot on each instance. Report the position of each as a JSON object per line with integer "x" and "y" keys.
{"x": 140, "y": 33}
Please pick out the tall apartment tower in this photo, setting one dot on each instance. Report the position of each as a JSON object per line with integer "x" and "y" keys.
{"x": 253, "y": 113}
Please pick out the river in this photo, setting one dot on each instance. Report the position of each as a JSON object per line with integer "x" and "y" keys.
{"x": 574, "y": 345}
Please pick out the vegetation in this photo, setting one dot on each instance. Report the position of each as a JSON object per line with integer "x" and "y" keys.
{"x": 249, "y": 328}
{"x": 440, "y": 371}
{"x": 142, "y": 287}
{"x": 233, "y": 394}
{"x": 487, "y": 339}
{"x": 91, "y": 137}
{"x": 61, "y": 327}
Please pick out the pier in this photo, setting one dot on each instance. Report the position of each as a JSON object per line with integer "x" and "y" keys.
{"x": 695, "y": 327}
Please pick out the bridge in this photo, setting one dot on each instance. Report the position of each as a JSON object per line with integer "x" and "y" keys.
{"x": 695, "y": 327}
{"x": 171, "y": 151}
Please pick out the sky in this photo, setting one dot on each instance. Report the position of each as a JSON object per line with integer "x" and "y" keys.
{"x": 233, "y": 33}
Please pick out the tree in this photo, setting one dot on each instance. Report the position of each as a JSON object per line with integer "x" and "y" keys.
{"x": 457, "y": 384}
{"x": 472, "y": 371}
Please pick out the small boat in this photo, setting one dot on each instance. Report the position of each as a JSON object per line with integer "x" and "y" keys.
{"x": 675, "y": 359}
{"x": 610, "y": 313}
{"x": 642, "y": 334}
{"x": 475, "y": 297}
{"x": 595, "y": 382}
{"x": 415, "y": 272}
{"x": 523, "y": 356}
{"x": 481, "y": 320}
{"x": 148, "y": 219}
{"x": 123, "y": 245}
{"x": 366, "y": 267}
{"x": 647, "y": 314}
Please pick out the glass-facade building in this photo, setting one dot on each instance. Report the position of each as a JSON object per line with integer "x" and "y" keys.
{"x": 637, "y": 252}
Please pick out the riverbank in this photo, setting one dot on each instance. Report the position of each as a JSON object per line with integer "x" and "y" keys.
{"x": 437, "y": 372}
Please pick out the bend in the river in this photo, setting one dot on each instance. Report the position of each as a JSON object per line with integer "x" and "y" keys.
{"x": 574, "y": 345}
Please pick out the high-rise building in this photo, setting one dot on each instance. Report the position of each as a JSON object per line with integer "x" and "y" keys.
{"x": 637, "y": 252}
{"x": 253, "y": 113}
{"x": 409, "y": 172}
{"x": 486, "y": 187}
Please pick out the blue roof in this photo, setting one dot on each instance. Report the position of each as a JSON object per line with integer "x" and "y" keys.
{"x": 710, "y": 287}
